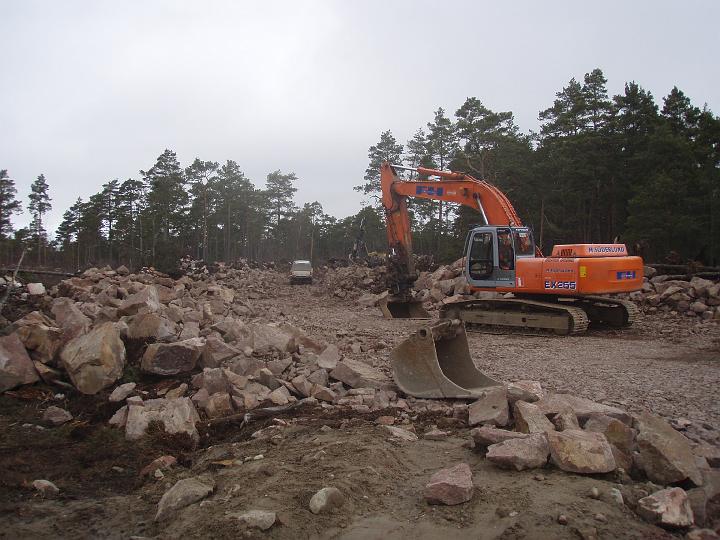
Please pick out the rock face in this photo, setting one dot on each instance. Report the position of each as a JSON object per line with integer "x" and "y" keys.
{"x": 490, "y": 408}
{"x": 182, "y": 494}
{"x": 525, "y": 453}
{"x": 582, "y": 407}
{"x": 530, "y": 419}
{"x": 581, "y": 451}
{"x": 176, "y": 415}
{"x": 16, "y": 367}
{"x": 172, "y": 358}
{"x": 95, "y": 360}
{"x": 668, "y": 508}
{"x": 450, "y": 486}
{"x": 326, "y": 500}
{"x": 665, "y": 455}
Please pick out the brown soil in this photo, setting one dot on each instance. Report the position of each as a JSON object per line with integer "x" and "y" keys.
{"x": 668, "y": 365}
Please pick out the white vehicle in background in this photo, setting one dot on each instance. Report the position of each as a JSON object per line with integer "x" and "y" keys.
{"x": 301, "y": 272}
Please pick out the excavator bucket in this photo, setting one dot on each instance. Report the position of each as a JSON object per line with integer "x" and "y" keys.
{"x": 402, "y": 308}
{"x": 435, "y": 362}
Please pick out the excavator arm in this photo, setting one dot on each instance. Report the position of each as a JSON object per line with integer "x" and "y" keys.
{"x": 489, "y": 201}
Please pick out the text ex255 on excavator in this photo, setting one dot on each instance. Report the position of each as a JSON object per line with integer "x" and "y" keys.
{"x": 557, "y": 293}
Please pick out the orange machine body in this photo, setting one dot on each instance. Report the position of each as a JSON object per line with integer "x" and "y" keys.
{"x": 575, "y": 276}
{"x": 571, "y": 270}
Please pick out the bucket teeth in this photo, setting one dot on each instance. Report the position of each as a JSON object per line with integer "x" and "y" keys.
{"x": 435, "y": 362}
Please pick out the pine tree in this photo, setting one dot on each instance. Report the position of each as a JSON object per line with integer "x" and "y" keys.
{"x": 387, "y": 149}
{"x": 200, "y": 175}
{"x": 38, "y": 206}
{"x": 9, "y": 205}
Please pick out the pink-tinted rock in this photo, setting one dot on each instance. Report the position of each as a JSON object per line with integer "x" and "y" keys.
{"x": 581, "y": 451}
{"x": 450, "y": 486}
{"x": 668, "y": 508}
{"x": 530, "y": 419}
{"x": 16, "y": 367}
{"x": 487, "y": 435}
{"x": 172, "y": 358}
{"x": 665, "y": 454}
{"x": 490, "y": 408}
{"x": 528, "y": 452}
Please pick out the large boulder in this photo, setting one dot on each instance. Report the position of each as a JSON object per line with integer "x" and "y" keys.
{"x": 176, "y": 416}
{"x": 216, "y": 351}
{"x": 528, "y": 452}
{"x": 617, "y": 433}
{"x": 172, "y": 358}
{"x": 329, "y": 358}
{"x": 184, "y": 493}
{"x": 668, "y": 508}
{"x": 665, "y": 454}
{"x": 151, "y": 326}
{"x": 16, "y": 367}
{"x": 490, "y": 408}
{"x": 69, "y": 317}
{"x": 358, "y": 374}
{"x": 581, "y": 451}
{"x": 146, "y": 300}
{"x": 40, "y": 336}
{"x": 487, "y": 435}
{"x": 95, "y": 360}
{"x": 530, "y": 419}
{"x": 270, "y": 337}
{"x": 450, "y": 486}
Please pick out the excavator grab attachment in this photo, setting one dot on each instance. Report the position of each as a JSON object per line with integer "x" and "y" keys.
{"x": 435, "y": 362}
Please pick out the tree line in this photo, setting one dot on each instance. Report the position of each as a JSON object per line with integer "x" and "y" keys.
{"x": 600, "y": 169}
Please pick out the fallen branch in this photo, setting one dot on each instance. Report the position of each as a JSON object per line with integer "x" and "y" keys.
{"x": 253, "y": 415}
{"x": 41, "y": 272}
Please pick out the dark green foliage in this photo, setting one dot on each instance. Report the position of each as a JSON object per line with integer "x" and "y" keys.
{"x": 9, "y": 205}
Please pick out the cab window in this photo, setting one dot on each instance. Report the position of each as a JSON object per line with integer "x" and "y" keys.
{"x": 524, "y": 245}
{"x": 481, "y": 255}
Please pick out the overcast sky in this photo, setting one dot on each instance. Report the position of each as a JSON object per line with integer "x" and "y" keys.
{"x": 95, "y": 90}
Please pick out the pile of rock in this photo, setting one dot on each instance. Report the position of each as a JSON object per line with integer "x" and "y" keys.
{"x": 580, "y": 436}
{"x": 695, "y": 298}
{"x": 350, "y": 281}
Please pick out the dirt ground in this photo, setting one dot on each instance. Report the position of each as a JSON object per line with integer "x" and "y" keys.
{"x": 670, "y": 365}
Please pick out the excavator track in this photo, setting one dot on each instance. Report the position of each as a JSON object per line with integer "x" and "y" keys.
{"x": 609, "y": 311}
{"x": 520, "y": 313}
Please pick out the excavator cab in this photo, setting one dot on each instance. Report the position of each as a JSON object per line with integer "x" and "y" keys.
{"x": 491, "y": 254}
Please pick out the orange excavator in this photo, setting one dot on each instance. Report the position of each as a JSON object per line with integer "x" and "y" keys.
{"x": 558, "y": 293}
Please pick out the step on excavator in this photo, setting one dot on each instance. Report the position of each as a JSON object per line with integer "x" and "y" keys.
{"x": 559, "y": 293}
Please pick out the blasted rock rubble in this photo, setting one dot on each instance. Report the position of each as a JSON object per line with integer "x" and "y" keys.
{"x": 213, "y": 356}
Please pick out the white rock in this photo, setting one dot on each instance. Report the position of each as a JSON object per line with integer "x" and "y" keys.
{"x": 121, "y": 392}
{"x": 326, "y": 499}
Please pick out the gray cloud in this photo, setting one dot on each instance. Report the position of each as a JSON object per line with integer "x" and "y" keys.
{"x": 96, "y": 90}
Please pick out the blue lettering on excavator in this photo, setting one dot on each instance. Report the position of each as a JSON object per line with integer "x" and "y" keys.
{"x": 429, "y": 190}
